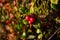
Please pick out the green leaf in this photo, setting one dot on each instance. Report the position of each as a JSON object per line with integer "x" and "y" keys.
{"x": 46, "y": 35}
{"x": 19, "y": 27}
{"x": 23, "y": 10}
{"x": 36, "y": 8}
{"x": 38, "y": 25}
{"x": 40, "y": 36}
{"x": 54, "y": 1}
{"x": 24, "y": 34}
{"x": 31, "y": 36}
{"x": 31, "y": 10}
{"x": 17, "y": 15}
{"x": 25, "y": 22}
{"x": 38, "y": 31}
{"x": 2, "y": 18}
{"x": 56, "y": 7}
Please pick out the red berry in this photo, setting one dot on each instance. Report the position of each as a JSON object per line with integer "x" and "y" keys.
{"x": 27, "y": 18}
{"x": 32, "y": 19}
{"x": 7, "y": 22}
{"x": 29, "y": 22}
{"x": 11, "y": 15}
{"x": 1, "y": 4}
{"x": 3, "y": 1}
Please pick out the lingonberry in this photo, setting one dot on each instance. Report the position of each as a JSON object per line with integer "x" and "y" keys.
{"x": 32, "y": 19}
{"x": 27, "y": 18}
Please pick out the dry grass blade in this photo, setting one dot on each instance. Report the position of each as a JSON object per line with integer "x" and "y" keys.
{"x": 53, "y": 33}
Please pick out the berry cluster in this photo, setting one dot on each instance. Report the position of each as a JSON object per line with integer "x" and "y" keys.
{"x": 30, "y": 19}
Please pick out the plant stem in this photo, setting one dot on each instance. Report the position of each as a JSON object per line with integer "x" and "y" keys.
{"x": 53, "y": 33}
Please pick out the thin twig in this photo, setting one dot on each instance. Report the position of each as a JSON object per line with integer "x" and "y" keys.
{"x": 54, "y": 34}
